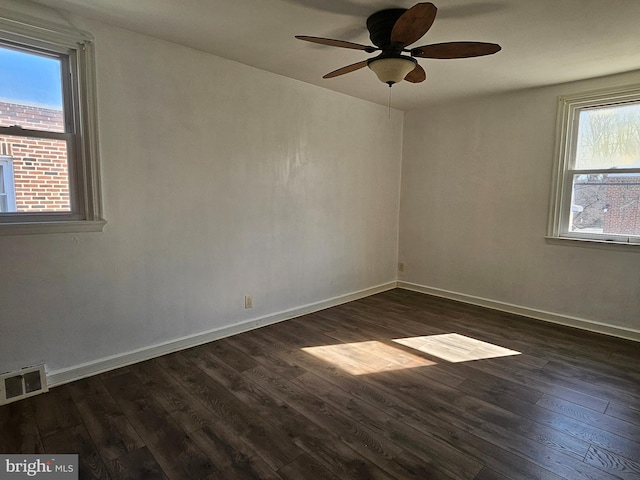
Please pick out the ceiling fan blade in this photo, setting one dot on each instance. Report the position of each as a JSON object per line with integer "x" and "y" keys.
{"x": 455, "y": 50}
{"x": 416, "y": 75}
{"x": 348, "y": 69}
{"x": 337, "y": 43}
{"x": 414, "y": 23}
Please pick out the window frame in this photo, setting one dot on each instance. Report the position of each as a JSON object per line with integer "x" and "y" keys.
{"x": 75, "y": 49}
{"x": 569, "y": 108}
{"x": 7, "y": 180}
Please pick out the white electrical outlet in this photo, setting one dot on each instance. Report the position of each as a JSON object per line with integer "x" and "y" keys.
{"x": 248, "y": 301}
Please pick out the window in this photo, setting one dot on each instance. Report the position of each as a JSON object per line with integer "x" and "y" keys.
{"x": 47, "y": 129}
{"x": 596, "y": 194}
{"x": 7, "y": 192}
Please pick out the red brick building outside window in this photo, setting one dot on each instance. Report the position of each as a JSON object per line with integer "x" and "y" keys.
{"x": 40, "y": 166}
{"x": 622, "y": 207}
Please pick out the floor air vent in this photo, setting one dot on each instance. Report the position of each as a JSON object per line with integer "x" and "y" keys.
{"x": 24, "y": 383}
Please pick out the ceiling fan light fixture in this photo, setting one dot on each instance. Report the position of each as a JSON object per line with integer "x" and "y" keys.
{"x": 392, "y": 70}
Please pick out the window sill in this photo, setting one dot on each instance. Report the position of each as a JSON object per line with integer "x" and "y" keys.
{"x": 594, "y": 243}
{"x": 72, "y": 226}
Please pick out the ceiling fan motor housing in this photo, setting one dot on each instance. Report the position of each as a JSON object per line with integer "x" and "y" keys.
{"x": 380, "y": 25}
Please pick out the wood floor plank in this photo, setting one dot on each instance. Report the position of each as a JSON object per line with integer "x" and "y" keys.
{"x": 231, "y": 455}
{"x": 76, "y": 440}
{"x": 56, "y": 411}
{"x": 19, "y": 431}
{"x": 431, "y": 449}
{"x": 136, "y": 465}
{"x": 231, "y": 355}
{"x": 115, "y": 372}
{"x": 235, "y": 474}
{"x": 453, "y": 428}
{"x": 488, "y": 474}
{"x": 405, "y": 465}
{"x": 263, "y": 405}
{"x": 305, "y": 466}
{"x": 544, "y": 381}
{"x": 614, "y": 464}
{"x": 590, "y": 417}
{"x": 168, "y": 443}
{"x": 357, "y": 392}
{"x": 581, "y": 398}
{"x": 185, "y": 409}
{"x": 623, "y": 412}
{"x": 546, "y": 457}
{"x": 369, "y": 444}
{"x": 567, "y": 425}
{"x": 495, "y": 385}
{"x": 624, "y": 358}
{"x": 327, "y": 449}
{"x": 547, "y": 436}
{"x": 298, "y": 336}
{"x": 259, "y": 350}
{"x": 274, "y": 447}
{"x": 595, "y": 372}
{"x": 610, "y": 392}
{"x": 492, "y": 425}
{"x": 109, "y": 428}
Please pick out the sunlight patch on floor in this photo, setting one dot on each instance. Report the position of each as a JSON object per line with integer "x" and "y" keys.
{"x": 453, "y": 347}
{"x": 362, "y": 358}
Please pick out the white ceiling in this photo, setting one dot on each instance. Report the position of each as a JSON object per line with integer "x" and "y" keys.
{"x": 543, "y": 41}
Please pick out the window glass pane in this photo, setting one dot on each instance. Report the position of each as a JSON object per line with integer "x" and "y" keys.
{"x": 40, "y": 172}
{"x": 609, "y": 137}
{"x": 7, "y": 200}
{"x": 30, "y": 90}
{"x": 606, "y": 204}
{"x": 4, "y": 207}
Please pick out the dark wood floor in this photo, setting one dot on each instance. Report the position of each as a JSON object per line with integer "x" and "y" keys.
{"x": 331, "y": 395}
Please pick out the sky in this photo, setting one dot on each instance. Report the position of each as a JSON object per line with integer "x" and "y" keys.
{"x": 30, "y": 78}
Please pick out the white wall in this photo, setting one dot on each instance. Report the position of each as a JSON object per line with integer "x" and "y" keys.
{"x": 476, "y": 186}
{"x": 219, "y": 180}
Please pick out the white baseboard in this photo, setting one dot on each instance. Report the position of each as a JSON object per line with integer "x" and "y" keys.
{"x": 76, "y": 372}
{"x": 566, "y": 320}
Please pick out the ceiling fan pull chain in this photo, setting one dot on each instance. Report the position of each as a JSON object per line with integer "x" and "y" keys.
{"x": 390, "y": 101}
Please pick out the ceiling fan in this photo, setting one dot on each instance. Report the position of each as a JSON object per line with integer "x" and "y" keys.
{"x": 392, "y": 31}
